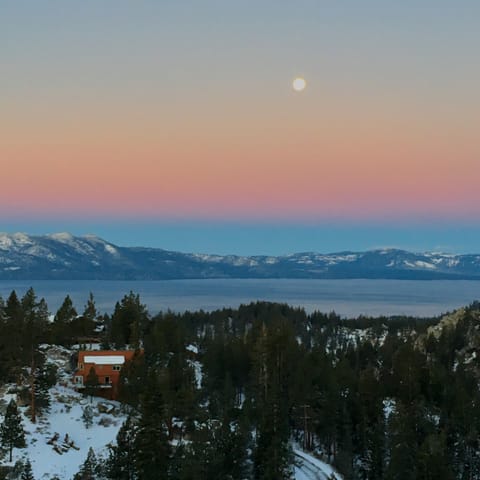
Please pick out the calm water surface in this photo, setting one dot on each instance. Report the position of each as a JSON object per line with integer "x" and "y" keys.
{"x": 346, "y": 297}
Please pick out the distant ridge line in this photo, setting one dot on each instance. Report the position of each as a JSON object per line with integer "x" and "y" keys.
{"x": 65, "y": 256}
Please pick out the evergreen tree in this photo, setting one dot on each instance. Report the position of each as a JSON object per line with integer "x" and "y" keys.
{"x": 276, "y": 352}
{"x": 128, "y": 321}
{"x": 91, "y": 383}
{"x": 214, "y": 453}
{"x": 152, "y": 450}
{"x": 403, "y": 444}
{"x": 273, "y": 457}
{"x": 196, "y": 461}
{"x": 62, "y": 322}
{"x": 27, "y": 473}
{"x": 432, "y": 459}
{"x": 84, "y": 326}
{"x": 177, "y": 383}
{"x": 14, "y": 354}
{"x": 90, "y": 310}
{"x": 43, "y": 382}
{"x": 370, "y": 436}
{"x": 230, "y": 450}
{"x": 35, "y": 314}
{"x": 87, "y": 416}
{"x": 13, "y": 307}
{"x": 90, "y": 468}
{"x": 4, "y": 340}
{"x": 132, "y": 380}
{"x": 121, "y": 460}
{"x": 11, "y": 431}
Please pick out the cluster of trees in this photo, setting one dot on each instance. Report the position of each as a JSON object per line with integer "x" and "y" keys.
{"x": 378, "y": 398}
{"x": 25, "y": 324}
{"x": 397, "y": 403}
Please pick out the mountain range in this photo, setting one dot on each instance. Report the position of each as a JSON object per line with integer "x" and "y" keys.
{"x": 62, "y": 256}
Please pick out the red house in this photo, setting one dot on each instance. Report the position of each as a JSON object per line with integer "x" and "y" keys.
{"x": 107, "y": 365}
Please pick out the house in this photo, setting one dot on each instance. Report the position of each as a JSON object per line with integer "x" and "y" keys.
{"x": 107, "y": 365}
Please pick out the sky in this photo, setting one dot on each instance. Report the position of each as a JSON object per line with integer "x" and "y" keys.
{"x": 174, "y": 124}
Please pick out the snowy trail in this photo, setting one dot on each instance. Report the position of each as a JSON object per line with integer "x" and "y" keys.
{"x": 307, "y": 470}
{"x": 310, "y": 468}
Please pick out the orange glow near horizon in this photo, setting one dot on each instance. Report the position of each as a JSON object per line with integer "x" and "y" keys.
{"x": 223, "y": 185}
{"x": 202, "y": 122}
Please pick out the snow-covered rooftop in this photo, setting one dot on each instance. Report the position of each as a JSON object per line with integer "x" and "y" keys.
{"x": 105, "y": 359}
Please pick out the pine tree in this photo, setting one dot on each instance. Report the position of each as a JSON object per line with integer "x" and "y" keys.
{"x": 276, "y": 355}
{"x": 132, "y": 381}
{"x": 4, "y": 340}
{"x": 152, "y": 450}
{"x": 62, "y": 322}
{"x": 230, "y": 451}
{"x": 35, "y": 314}
{"x": 128, "y": 321}
{"x": 11, "y": 430}
{"x": 403, "y": 441}
{"x": 121, "y": 461}
{"x": 90, "y": 310}
{"x": 27, "y": 473}
{"x": 198, "y": 459}
{"x": 14, "y": 348}
{"x": 42, "y": 386}
{"x": 91, "y": 383}
{"x": 87, "y": 416}
{"x": 90, "y": 468}
{"x": 432, "y": 459}
{"x": 370, "y": 439}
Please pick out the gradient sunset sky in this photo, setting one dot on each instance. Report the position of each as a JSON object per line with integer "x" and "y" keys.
{"x": 174, "y": 123}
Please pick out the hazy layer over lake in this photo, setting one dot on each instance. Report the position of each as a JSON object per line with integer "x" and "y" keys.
{"x": 346, "y": 297}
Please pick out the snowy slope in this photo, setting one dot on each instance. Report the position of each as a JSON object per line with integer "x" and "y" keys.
{"x": 45, "y": 460}
{"x": 65, "y": 417}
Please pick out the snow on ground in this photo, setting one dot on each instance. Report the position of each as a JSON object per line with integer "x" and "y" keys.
{"x": 65, "y": 417}
{"x": 310, "y": 468}
{"x": 197, "y": 367}
{"x": 192, "y": 348}
{"x": 302, "y": 474}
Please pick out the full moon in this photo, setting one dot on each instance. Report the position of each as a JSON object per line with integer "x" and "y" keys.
{"x": 299, "y": 84}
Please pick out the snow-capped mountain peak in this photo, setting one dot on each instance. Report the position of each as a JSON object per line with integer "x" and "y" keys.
{"x": 65, "y": 256}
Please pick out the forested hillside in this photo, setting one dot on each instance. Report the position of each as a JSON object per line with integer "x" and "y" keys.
{"x": 229, "y": 394}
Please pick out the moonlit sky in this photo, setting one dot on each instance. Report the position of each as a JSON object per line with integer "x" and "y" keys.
{"x": 174, "y": 124}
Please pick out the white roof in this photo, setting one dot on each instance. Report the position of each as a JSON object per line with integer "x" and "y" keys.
{"x": 104, "y": 359}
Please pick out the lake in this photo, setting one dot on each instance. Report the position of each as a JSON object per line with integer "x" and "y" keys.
{"x": 346, "y": 297}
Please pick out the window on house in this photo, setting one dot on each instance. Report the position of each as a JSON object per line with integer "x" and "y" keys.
{"x": 116, "y": 367}
{"x": 79, "y": 380}
{"x": 107, "y": 381}
{"x": 80, "y": 366}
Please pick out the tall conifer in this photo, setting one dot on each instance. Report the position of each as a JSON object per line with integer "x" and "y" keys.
{"x": 11, "y": 430}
